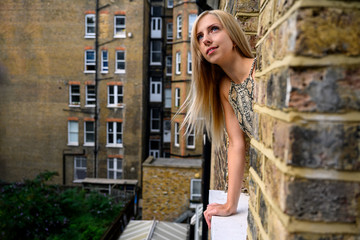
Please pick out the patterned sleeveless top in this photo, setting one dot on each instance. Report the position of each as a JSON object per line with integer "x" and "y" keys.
{"x": 241, "y": 98}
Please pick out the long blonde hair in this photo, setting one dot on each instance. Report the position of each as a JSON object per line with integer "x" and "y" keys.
{"x": 203, "y": 102}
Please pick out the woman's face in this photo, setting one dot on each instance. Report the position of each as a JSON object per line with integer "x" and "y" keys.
{"x": 214, "y": 42}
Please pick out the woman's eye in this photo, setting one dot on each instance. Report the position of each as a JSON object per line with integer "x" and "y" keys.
{"x": 214, "y": 28}
{"x": 199, "y": 37}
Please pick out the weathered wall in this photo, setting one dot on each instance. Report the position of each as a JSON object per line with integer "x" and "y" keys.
{"x": 305, "y": 156}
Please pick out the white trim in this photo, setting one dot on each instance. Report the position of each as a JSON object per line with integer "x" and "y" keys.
{"x": 121, "y": 34}
{"x": 89, "y": 62}
{"x": 178, "y": 26}
{"x": 168, "y": 37}
{"x": 103, "y": 69}
{"x": 192, "y": 18}
{"x": 71, "y": 103}
{"x": 115, "y": 168}
{"x": 155, "y": 52}
{"x": 86, "y": 143}
{"x": 190, "y": 134}
{"x": 152, "y": 119}
{"x": 116, "y": 104}
{"x": 177, "y": 97}
{"x": 176, "y": 135}
{"x": 74, "y": 132}
{"x": 115, "y": 132}
{"x": 90, "y": 35}
{"x": 178, "y": 63}
{"x": 87, "y": 98}
{"x": 120, "y": 61}
{"x": 168, "y": 63}
{"x": 189, "y": 63}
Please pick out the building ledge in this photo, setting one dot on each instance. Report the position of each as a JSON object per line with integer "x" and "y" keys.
{"x": 231, "y": 227}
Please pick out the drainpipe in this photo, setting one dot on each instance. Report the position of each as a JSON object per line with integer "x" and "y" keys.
{"x": 206, "y": 182}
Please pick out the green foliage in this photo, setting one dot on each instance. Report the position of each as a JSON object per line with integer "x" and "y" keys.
{"x": 35, "y": 210}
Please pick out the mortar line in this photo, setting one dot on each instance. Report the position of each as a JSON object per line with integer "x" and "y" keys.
{"x": 293, "y": 225}
{"x": 302, "y": 4}
{"x": 258, "y": 223}
{"x": 291, "y": 60}
{"x": 293, "y": 116}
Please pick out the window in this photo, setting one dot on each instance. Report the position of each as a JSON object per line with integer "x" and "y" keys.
{"x": 195, "y": 190}
{"x": 167, "y": 131}
{"x": 79, "y": 168}
{"x": 167, "y": 98}
{"x": 156, "y": 23}
{"x": 119, "y": 26}
{"x": 155, "y": 120}
{"x": 178, "y": 63}
{"x": 73, "y": 133}
{"x": 115, "y": 168}
{"x": 154, "y": 148}
{"x": 120, "y": 61}
{"x": 170, "y": 3}
{"x": 89, "y": 133}
{"x": 74, "y": 95}
{"x": 89, "y": 61}
{"x": 155, "y": 89}
{"x": 189, "y": 64}
{"x": 90, "y": 26}
{"x": 90, "y": 96}
{"x": 156, "y": 11}
{"x": 192, "y": 18}
{"x": 178, "y": 26}
{"x": 104, "y": 61}
{"x": 114, "y": 134}
{"x": 190, "y": 139}
{"x": 169, "y": 31}
{"x": 177, "y": 97}
{"x": 177, "y": 135}
{"x": 168, "y": 65}
{"x": 115, "y": 95}
{"x": 155, "y": 53}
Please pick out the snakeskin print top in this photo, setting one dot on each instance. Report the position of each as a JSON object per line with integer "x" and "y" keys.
{"x": 241, "y": 98}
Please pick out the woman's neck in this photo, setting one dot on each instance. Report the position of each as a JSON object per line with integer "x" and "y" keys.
{"x": 237, "y": 68}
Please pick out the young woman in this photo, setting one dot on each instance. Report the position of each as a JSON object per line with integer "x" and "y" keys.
{"x": 221, "y": 95}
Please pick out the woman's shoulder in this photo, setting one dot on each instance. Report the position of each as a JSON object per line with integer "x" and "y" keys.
{"x": 225, "y": 84}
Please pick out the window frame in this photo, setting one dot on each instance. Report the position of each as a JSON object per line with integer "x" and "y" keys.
{"x": 191, "y": 23}
{"x": 88, "y": 98}
{"x": 170, "y": 3}
{"x": 168, "y": 65}
{"x": 115, "y": 133}
{"x": 155, "y": 52}
{"x": 179, "y": 26}
{"x": 176, "y": 135}
{"x": 115, "y": 169}
{"x": 177, "y": 97}
{"x": 192, "y": 194}
{"x": 157, "y": 86}
{"x": 168, "y": 98}
{"x": 153, "y": 119}
{"x": 71, "y": 131}
{"x": 167, "y": 131}
{"x": 89, "y": 62}
{"x": 86, "y": 132}
{"x": 156, "y": 152}
{"x": 122, "y": 33}
{"x": 93, "y": 25}
{"x": 188, "y": 135}
{"x": 104, "y": 69}
{"x": 116, "y": 96}
{"x": 156, "y": 22}
{"x": 71, "y": 95}
{"x": 189, "y": 63}
{"x": 178, "y": 63}
{"x": 117, "y": 70}
{"x": 82, "y": 159}
{"x": 169, "y": 31}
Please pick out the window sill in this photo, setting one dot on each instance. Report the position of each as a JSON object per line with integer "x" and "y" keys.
{"x": 104, "y": 72}
{"x": 231, "y": 227}
{"x": 190, "y": 147}
{"x": 89, "y": 36}
{"x": 115, "y": 106}
{"x": 155, "y": 64}
{"x": 114, "y": 145}
{"x": 89, "y": 72}
{"x": 73, "y": 144}
{"x": 89, "y": 145}
{"x": 120, "y": 72}
{"x": 89, "y": 106}
{"x": 77, "y": 106}
{"x": 120, "y": 36}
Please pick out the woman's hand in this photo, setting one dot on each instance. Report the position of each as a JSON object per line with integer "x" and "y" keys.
{"x": 216, "y": 209}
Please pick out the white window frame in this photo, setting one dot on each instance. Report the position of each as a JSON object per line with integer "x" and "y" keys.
{"x": 155, "y": 52}
{"x": 118, "y": 70}
{"x": 104, "y": 61}
{"x": 154, "y": 152}
{"x": 116, "y": 131}
{"x": 89, "y": 62}
{"x": 178, "y": 63}
{"x": 86, "y": 132}
{"x": 153, "y": 119}
{"x": 192, "y": 18}
{"x": 92, "y": 25}
{"x": 168, "y": 63}
{"x": 192, "y": 194}
{"x": 79, "y": 165}
{"x": 189, "y": 63}
{"x": 192, "y": 135}
{"x": 176, "y": 135}
{"x": 122, "y": 27}
{"x": 72, "y": 103}
{"x": 167, "y": 131}
{"x": 118, "y": 96}
{"x": 169, "y": 31}
{"x": 167, "y": 98}
{"x": 178, "y": 26}
{"x": 156, "y": 27}
{"x": 170, "y": 3}
{"x": 177, "y": 97}
{"x": 155, "y": 89}
{"x": 116, "y": 172}
{"x": 90, "y": 97}
{"x": 73, "y": 133}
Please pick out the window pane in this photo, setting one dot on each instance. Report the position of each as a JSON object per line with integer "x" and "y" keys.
{"x": 89, "y": 126}
{"x": 111, "y": 174}
{"x": 111, "y": 163}
{"x": 119, "y": 164}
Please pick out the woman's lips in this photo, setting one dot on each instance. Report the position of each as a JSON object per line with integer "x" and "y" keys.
{"x": 210, "y": 50}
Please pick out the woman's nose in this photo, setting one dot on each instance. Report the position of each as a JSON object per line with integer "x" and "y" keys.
{"x": 206, "y": 40}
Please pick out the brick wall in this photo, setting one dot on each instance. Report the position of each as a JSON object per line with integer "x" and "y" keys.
{"x": 304, "y": 159}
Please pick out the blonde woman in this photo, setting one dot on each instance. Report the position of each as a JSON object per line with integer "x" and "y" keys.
{"x": 221, "y": 94}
